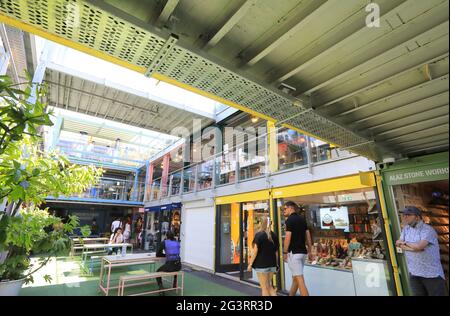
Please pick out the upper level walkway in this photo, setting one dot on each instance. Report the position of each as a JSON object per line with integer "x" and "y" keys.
{"x": 191, "y": 184}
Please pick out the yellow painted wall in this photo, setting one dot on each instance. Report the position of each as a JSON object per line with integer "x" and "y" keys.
{"x": 235, "y": 209}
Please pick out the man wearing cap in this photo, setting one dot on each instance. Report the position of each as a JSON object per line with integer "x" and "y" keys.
{"x": 420, "y": 243}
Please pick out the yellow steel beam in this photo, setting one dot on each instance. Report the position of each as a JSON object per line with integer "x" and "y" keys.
{"x": 93, "y": 52}
{"x": 65, "y": 42}
{"x": 277, "y": 215}
{"x": 96, "y": 53}
{"x": 273, "y": 146}
{"x": 352, "y": 182}
{"x": 243, "y": 197}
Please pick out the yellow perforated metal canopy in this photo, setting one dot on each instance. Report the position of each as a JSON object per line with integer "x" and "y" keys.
{"x": 377, "y": 91}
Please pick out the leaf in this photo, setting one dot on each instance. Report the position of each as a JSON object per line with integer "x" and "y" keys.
{"x": 85, "y": 230}
{"x": 3, "y": 225}
{"x": 17, "y": 193}
{"x": 17, "y": 91}
{"x": 47, "y": 278}
{"x": 16, "y": 164}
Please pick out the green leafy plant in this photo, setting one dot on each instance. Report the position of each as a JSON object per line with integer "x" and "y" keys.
{"x": 32, "y": 231}
{"x": 19, "y": 116}
{"x": 27, "y": 176}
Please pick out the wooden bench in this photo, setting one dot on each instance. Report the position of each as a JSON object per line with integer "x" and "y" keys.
{"x": 78, "y": 243}
{"x": 151, "y": 276}
{"x": 74, "y": 249}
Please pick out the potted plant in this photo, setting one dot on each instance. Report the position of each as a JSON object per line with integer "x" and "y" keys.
{"x": 27, "y": 176}
{"x": 33, "y": 231}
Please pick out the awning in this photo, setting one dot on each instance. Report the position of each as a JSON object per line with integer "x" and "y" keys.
{"x": 166, "y": 207}
{"x": 243, "y": 197}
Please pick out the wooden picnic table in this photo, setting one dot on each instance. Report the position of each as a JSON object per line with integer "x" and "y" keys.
{"x": 90, "y": 239}
{"x": 96, "y": 249}
{"x": 104, "y": 246}
{"x": 77, "y": 244}
{"x": 108, "y": 262}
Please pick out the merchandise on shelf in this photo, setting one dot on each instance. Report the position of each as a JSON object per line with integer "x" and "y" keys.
{"x": 338, "y": 253}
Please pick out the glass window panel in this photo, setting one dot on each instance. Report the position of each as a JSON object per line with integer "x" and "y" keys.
{"x": 292, "y": 149}
{"x": 230, "y": 252}
{"x": 346, "y": 227}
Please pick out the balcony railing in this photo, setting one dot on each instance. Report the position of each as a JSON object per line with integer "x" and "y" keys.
{"x": 236, "y": 165}
{"x": 100, "y": 154}
{"x": 112, "y": 189}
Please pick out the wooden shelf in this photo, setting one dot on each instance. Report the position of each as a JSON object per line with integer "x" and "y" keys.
{"x": 439, "y": 206}
{"x": 430, "y": 214}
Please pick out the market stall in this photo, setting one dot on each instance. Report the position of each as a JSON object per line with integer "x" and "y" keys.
{"x": 420, "y": 182}
{"x": 350, "y": 252}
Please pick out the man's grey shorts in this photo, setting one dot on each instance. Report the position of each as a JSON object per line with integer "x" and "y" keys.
{"x": 296, "y": 262}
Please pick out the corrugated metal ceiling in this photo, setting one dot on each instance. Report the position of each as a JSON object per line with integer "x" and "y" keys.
{"x": 376, "y": 91}
{"x": 75, "y": 94}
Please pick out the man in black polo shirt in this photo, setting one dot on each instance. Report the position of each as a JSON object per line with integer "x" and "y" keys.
{"x": 295, "y": 251}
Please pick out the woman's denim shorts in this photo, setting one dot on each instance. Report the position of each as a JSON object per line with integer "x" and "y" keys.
{"x": 271, "y": 269}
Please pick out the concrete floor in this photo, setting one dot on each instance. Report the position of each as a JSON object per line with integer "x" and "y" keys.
{"x": 68, "y": 279}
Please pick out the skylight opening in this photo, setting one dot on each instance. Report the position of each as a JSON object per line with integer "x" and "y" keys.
{"x": 84, "y": 63}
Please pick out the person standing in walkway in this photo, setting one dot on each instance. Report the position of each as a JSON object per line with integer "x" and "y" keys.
{"x": 116, "y": 224}
{"x": 127, "y": 230}
{"x": 294, "y": 248}
{"x": 420, "y": 244}
{"x": 137, "y": 231}
{"x": 94, "y": 228}
{"x": 264, "y": 257}
{"x": 169, "y": 248}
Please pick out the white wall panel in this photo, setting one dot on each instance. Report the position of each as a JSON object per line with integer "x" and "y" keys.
{"x": 197, "y": 236}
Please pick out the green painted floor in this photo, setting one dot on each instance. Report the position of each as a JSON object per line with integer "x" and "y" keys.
{"x": 68, "y": 279}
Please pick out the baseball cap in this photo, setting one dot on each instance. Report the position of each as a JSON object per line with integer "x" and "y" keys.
{"x": 411, "y": 210}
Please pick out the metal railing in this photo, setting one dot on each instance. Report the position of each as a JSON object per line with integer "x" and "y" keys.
{"x": 96, "y": 153}
{"x": 236, "y": 165}
{"x": 113, "y": 189}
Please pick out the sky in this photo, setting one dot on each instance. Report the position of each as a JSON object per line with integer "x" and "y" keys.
{"x": 93, "y": 66}
{"x": 130, "y": 80}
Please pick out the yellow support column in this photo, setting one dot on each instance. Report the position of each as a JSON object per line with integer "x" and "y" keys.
{"x": 275, "y": 214}
{"x": 390, "y": 242}
{"x": 273, "y": 146}
{"x": 273, "y": 167}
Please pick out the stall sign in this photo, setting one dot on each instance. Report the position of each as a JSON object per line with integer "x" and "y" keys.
{"x": 421, "y": 174}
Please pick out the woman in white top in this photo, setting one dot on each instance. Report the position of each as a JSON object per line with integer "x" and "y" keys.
{"x": 127, "y": 230}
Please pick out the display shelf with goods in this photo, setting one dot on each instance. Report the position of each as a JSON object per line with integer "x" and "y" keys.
{"x": 361, "y": 238}
{"x": 343, "y": 233}
{"x": 348, "y": 236}
{"x": 345, "y": 258}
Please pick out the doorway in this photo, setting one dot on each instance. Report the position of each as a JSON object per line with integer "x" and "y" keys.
{"x": 237, "y": 225}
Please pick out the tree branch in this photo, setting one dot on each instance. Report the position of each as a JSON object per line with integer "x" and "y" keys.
{"x": 40, "y": 267}
{"x": 9, "y": 208}
{"x": 16, "y": 209}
